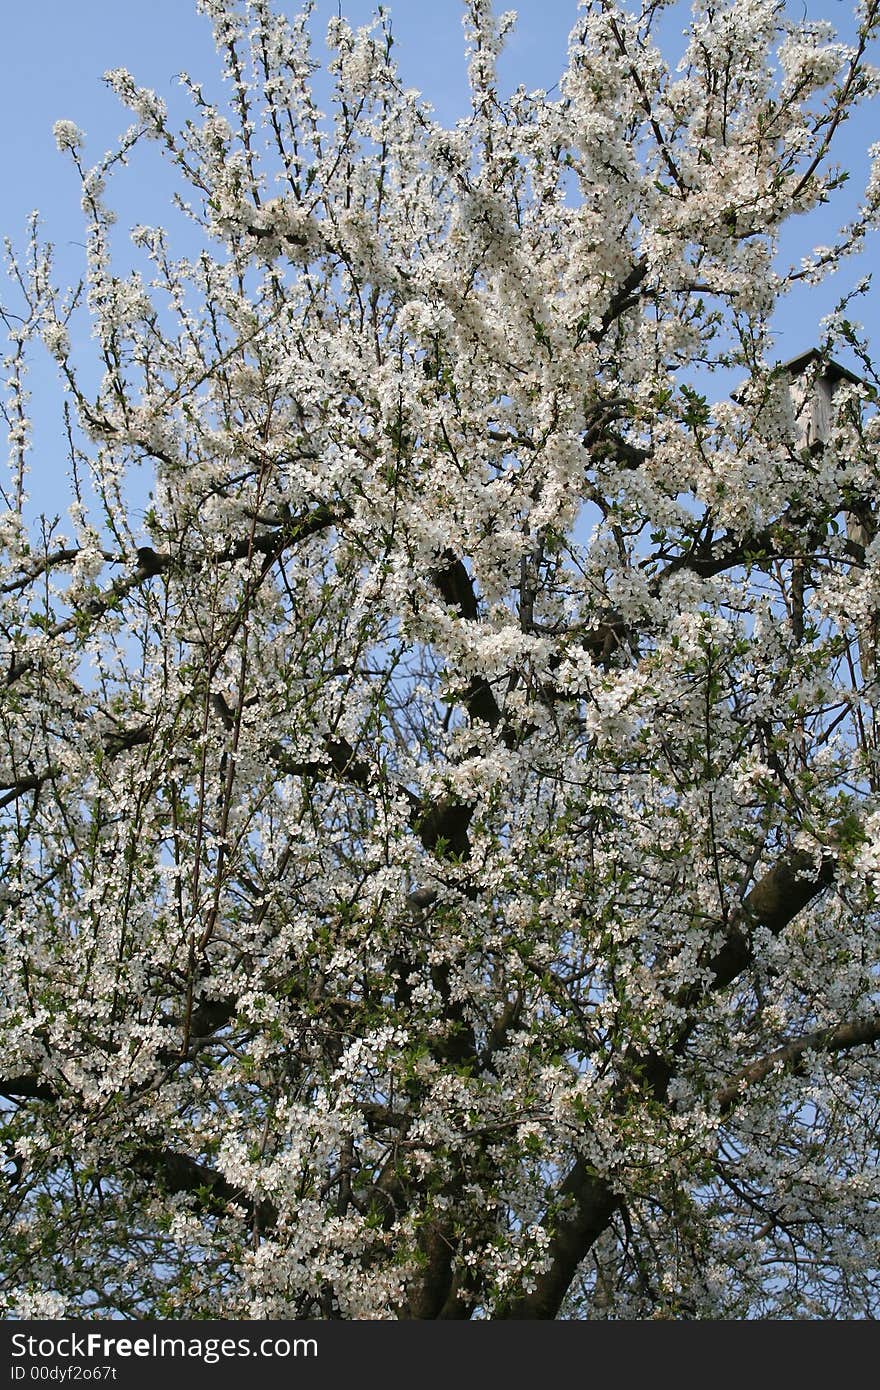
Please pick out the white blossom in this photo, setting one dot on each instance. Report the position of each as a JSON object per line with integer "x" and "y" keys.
{"x": 439, "y": 820}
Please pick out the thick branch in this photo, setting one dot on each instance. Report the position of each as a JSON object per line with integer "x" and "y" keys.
{"x": 790, "y": 1057}
{"x": 176, "y": 1172}
{"x": 116, "y": 741}
{"x": 727, "y": 552}
{"x": 457, "y": 589}
{"x": 774, "y": 902}
{"x": 26, "y": 1088}
{"x": 11, "y": 791}
{"x": 594, "y": 1203}
{"x": 622, "y": 299}
{"x": 456, "y": 585}
{"x": 151, "y": 563}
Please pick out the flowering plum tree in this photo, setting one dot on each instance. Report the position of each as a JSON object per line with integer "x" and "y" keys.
{"x": 440, "y": 826}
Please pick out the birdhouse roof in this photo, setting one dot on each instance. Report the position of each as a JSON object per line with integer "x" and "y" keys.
{"x": 830, "y": 369}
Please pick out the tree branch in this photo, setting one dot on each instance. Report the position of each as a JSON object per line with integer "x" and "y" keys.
{"x": 177, "y": 1172}
{"x": 774, "y": 902}
{"x": 789, "y": 1057}
{"x": 27, "y": 1087}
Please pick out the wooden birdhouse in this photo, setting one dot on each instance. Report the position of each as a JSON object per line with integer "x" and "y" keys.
{"x": 815, "y": 381}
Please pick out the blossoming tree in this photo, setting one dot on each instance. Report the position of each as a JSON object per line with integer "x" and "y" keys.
{"x": 439, "y": 826}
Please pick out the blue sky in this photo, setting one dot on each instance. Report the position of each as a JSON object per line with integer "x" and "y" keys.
{"x": 62, "y": 47}
{"x": 57, "y": 51}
